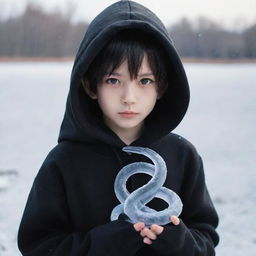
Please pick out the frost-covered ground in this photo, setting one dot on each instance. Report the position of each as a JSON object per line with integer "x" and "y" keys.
{"x": 221, "y": 123}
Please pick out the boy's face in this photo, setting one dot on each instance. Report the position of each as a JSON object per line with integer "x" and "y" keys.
{"x": 125, "y": 102}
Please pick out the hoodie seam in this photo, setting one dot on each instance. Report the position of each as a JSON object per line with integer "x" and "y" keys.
{"x": 130, "y": 10}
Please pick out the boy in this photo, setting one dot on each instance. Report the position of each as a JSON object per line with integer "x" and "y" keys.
{"x": 128, "y": 87}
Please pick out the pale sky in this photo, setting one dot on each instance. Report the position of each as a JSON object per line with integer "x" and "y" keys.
{"x": 229, "y": 13}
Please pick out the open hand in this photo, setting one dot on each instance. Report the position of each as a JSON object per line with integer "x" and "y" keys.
{"x": 153, "y": 231}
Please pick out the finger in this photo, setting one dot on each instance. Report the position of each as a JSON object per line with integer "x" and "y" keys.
{"x": 146, "y": 232}
{"x": 139, "y": 226}
{"x": 175, "y": 220}
{"x": 156, "y": 229}
{"x": 146, "y": 240}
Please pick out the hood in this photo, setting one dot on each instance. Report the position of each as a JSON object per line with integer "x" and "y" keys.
{"x": 80, "y": 124}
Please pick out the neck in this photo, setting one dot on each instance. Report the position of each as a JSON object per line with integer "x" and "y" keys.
{"x": 127, "y": 135}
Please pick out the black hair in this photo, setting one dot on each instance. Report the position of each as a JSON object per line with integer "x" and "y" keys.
{"x": 130, "y": 45}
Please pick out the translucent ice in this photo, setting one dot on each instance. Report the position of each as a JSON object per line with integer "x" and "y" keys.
{"x": 134, "y": 204}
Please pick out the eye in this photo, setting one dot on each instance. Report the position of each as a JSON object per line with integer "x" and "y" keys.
{"x": 113, "y": 81}
{"x": 146, "y": 81}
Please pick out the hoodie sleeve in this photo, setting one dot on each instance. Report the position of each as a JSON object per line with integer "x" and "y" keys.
{"x": 195, "y": 235}
{"x": 46, "y": 225}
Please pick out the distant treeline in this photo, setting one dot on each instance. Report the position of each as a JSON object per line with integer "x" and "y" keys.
{"x": 36, "y": 33}
{"x": 206, "y": 39}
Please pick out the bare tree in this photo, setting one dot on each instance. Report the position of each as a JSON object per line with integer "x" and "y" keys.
{"x": 249, "y": 36}
{"x": 206, "y": 39}
{"x": 36, "y": 33}
{"x": 185, "y": 38}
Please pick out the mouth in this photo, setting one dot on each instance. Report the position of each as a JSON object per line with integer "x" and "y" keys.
{"x": 128, "y": 114}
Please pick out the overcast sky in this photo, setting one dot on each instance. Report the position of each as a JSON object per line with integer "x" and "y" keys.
{"x": 227, "y": 12}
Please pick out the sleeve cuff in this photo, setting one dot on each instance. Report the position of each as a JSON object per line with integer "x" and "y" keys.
{"x": 171, "y": 239}
{"x": 115, "y": 238}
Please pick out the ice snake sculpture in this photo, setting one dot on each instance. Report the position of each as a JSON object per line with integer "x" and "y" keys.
{"x": 134, "y": 204}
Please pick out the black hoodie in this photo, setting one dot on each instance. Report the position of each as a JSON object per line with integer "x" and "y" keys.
{"x": 69, "y": 206}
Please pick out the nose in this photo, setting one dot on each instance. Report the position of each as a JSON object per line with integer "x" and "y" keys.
{"x": 129, "y": 94}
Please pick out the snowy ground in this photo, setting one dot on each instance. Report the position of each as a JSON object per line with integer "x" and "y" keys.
{"x": 220, "y": 122}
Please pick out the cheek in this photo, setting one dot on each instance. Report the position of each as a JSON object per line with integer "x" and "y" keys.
{"x": 102, "y": 103}
{"x": 150, "y": 98}
{"x": 152, "y": 103}
{"x": 105, "y": 101}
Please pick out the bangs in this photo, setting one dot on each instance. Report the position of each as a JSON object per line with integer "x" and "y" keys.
{"x": 117, "y": 52}
{"x": 131, "y": 46}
